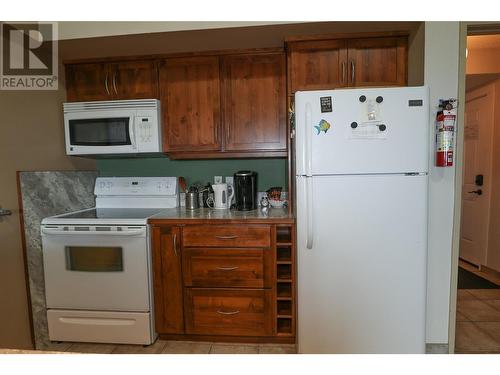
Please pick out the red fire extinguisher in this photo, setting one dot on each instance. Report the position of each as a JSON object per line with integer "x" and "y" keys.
{"x": 445, "y": 132}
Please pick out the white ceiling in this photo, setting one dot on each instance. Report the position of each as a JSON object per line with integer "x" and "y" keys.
{"x": 77, "y": 30}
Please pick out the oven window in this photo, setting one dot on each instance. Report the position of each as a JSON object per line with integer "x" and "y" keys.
{"x": 94, "y": 259}
{"x": 100, "y": 132}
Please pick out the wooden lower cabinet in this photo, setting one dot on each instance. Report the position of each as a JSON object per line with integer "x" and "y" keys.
{"x": 233, "y": 282}
{"x": 167, "y": 280}
{"x": 230, "y": 312}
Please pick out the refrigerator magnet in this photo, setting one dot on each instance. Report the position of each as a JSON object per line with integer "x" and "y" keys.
{"x": 323, "y": 126}
{"x": 326, "y": 104}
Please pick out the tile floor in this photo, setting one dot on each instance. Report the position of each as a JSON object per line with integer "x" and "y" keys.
{"x": 478, "y": 316}
{"x": 478, "y": 321}
{"x": 182, "y": 347}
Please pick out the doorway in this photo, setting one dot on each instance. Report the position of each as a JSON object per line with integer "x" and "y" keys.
{"x": 478, "y": 295}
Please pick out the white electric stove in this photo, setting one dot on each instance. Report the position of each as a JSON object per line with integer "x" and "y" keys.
{"x": 97, "y": 263}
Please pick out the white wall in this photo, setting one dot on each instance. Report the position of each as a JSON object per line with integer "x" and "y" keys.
{"x": 441, "y": 75}
{"x": 80, "y": 29}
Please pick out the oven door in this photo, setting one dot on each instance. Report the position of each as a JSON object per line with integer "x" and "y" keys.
{"x": 100, "y": 132}
{"x": 96, "y": 267}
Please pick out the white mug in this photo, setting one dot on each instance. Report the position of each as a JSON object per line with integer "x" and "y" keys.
{"x": 221, "y": 199}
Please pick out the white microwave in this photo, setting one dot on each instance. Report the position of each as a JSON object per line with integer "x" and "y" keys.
{"x": 113, "y": 127}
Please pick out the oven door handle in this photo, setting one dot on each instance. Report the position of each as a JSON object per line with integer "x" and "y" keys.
{"x": 127, "y": 233}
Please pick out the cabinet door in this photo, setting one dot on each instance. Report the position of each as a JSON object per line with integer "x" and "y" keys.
{"x": 134, "y": 80}
{"x": 167, "y": 280}
{"x": 88, "y": 82}
{"x": 254, "y": 102}
{"x": 318, "y": 65}
{"x": 377, "y": 62}
{"x": 190, "y": 98}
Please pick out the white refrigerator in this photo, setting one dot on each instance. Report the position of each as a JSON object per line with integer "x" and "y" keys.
{"x": 361, "y": 166}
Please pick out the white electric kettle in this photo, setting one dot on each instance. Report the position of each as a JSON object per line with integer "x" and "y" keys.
{"x": 223, "y": 194}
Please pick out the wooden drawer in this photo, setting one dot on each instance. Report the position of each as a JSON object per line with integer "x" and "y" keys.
{"x": 212, "y": 267}
{"x": 227, "y": 236}
{"x": 233, "y": 312}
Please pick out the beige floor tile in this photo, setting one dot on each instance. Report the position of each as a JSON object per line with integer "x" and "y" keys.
{"x": 183, "y": 347}
{"x": 277, "y": 349}
{"x": 234, "y": 349}
{"x": 83, "y": 347}
{"x": 55, "y": 346}
{"x": 485, "y": 293}
{"x": 478, "y": 311}
{"x": 154, "y": 348}
{"x": 462, "y": 318}
{"x": 463, "y": 294}
{"x": 470, "y": 339}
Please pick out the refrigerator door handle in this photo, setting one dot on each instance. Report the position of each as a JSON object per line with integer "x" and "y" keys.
{"x": 309, "y": 215}
{"x": 307, "y": 156}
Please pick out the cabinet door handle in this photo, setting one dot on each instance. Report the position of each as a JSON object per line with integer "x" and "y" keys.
{"x": 227, "y": 268}
{"x": 175, "y": 244}
{"x": 106, "y": 84}
{"x": 114, "y": 83}
{"x": 343, "y": 71}
{"x": 228, "y": 312}
{"x": 226, "y": 237}
{"x": 353, "y": 68}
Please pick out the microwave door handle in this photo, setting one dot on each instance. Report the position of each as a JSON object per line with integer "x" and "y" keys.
{"x": 131, "y": 130}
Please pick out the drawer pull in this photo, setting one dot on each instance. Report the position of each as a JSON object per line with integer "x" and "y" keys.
{"x": 226, "y": 237}
{"x": 227, "y": 268}
{"x": 228, "y": 312}
{"x": 175, "y": 244}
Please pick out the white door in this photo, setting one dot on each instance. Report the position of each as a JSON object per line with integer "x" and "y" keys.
{"x": 350, "y": 132}
{"x": 105, "y": 270}
{"x": 478, "y": 139}
{"x": 362, "y": 285}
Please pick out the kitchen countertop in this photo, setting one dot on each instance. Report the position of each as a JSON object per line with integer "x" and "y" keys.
{"x": 180, "y": 214}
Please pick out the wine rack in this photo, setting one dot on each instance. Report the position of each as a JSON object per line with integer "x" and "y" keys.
{"x": 285, "y": 280}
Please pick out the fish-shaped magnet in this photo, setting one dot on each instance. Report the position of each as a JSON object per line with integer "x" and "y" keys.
{"x": 323, "y": 126}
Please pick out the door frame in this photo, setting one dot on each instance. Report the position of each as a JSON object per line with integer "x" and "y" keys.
{"x": 466, "y": 28}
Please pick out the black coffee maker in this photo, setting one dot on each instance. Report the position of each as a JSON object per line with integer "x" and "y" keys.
{"x": 245, "y": 190}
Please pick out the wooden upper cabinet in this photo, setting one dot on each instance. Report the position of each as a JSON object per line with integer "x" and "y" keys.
{"x": 377, "y": 61}
{"x": 318, "y": 65}
{"x": 111, "y": 81}
{"x": 254, "y": 102}
{"x": 337, "y": 63}
{"x": 190, "y": 98}
{"x": 134, "y": 80}
{"x": 87, "y": 82}
{"x": 167, "y": 280}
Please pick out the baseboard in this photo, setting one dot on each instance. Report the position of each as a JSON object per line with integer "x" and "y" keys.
{"x": 437, "y": 348}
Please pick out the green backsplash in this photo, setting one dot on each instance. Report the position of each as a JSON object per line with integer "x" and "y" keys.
{"x": 271, "y": 172}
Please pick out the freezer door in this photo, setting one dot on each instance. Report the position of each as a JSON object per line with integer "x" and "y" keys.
{"x": 362, "y": 284}
{"x": 376, "y": 130}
